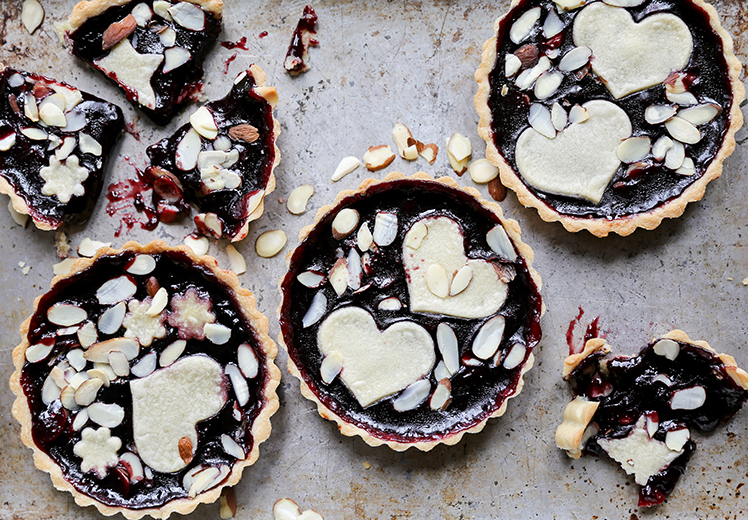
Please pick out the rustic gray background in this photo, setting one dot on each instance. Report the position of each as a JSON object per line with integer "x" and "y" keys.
{"x": 378, "y": 63}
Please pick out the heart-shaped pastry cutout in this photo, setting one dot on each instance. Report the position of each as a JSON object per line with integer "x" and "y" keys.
{"x": 438, "y": 241}
{"x": 168, "y": 404}
{"x": 376, "y": 363}
{"x": 632, "y": 56}
{"x": 581, "y": 161}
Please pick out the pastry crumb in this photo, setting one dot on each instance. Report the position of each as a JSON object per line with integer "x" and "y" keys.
{"x": 366, "y": 465}
{"x": 745, "y": 281}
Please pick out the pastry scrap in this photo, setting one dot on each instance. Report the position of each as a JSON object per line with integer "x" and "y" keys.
{"x": 152, "y": 49}
{"x": 222, "y": 161}
{"x": 608, "y": 115}
{"x": 297, "y": 56}
{"x": 145, "y": 380}
{"x": 640, "y": 411}
{"x": 410, "y": 311}
{"x": 54, "y": 144}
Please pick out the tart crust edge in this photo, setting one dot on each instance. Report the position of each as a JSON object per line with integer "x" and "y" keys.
{"x": 601, "y": 227}
{"x": 348, "y": 429}
{"x": 261, "y": 427}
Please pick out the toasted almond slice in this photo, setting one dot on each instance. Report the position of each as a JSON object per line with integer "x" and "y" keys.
{"x": 378, "y": 157}
{"x": 331, "y": 367}
{"x": 346, "y": 166}
{"x": 87, "y": 391}
{"x": 385, "y": 228}
{"x": 32, "y": 15}
{"x": 687, "y": 168}
{"x": 489, "y": 337}
{"x": 436, "y": 280}
{"x": 524, "y": 25}
{"x": 700, "y": 114}
{"x": 461, "y": 280}
{"x": 119, "y": 363}
{"x": 559, "y": 117}
{"x": 66, "y": 314}
{"x": 99, "y": 352}
{"x": 656, "y": 114}
{"x": 459, "y": 147}
{"x": 270, "y": 243}
{"x": 442, "y": 395}
{"x": 682, "y": 130}
{"x": 575, "y": 59}
{"x": 427, "y": 151}
{"x": 406, "y": 144}
{"x": 299, "y": 198}
{"x": 482, "y": 171}
{"x": 661, "y": 147}
{"x": 633, "y": 149}
{"x": 344, "y": 223}
{"x": 540, "y": 120}
{"x": 675, "y": 156}
{"x": 412, "y": 396}
{"x": 338, "y": 276}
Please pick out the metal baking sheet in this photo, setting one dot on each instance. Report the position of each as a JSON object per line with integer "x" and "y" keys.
{"x": 378, "y": 63}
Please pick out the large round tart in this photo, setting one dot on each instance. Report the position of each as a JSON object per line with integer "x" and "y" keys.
{"x": 609, "y": 115}
{"x": 145, "y": 380}
{"x": 410, "y": 311}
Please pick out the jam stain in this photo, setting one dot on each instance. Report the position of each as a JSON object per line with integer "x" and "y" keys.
{"x": 240, "y": 44}
{"x": 227, "y": 63}
{"x": 574, "y": 349}
{"x": 298, "y": 51}
{"x": 262, "y": 34}
{"x": 131, "y": 194}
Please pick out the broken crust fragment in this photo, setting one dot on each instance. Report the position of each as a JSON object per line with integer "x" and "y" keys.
{"x": 90, "y": 8}
{"x": 593, "y": 346}
{"x": 577, "y": 416}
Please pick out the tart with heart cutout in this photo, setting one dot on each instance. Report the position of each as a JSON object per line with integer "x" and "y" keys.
{"x": 609, "y": 115}
{"x": 640, "y": 411}
{"x": 55, "y": 141}
{"x": 410, "y": 311}
{"x": 222, "y": 161}
{"x": 145, "y": 380}
{"x": 152, "y": 49}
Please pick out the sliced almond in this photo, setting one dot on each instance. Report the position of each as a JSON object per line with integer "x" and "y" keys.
{"x": 547, "y": 84}
{"x": 142, "y": 14}
{"x": 569, "y": 5}
{"x": 575, "y": 59}
{"x": 683, "y": 99}
{"x": 231, "y": 447}
{"x": 66, "y": 314}
{"x": 141, "y": 264}
{"x": 449, "y": 348}
{"x": 89, "y": 247}
{"x": 406, "y": 144}
{"x": 338, "y": 276}
{"x": 87, "y": 391}
{"x": 118, "y": 31}
{"x": 661, "y": 147}
{"x": 32, "y": 15}
{"x": 116, "y": 290}
{"x": 353, "y": 269}
{"x": 675, "y": 156}
{"x": 415, "y": 236}
{"x": 688, "y": 398}
{"x": 331, "y": 366}
{"x": 111, "y": 320}
{"x": 106, "y": 415}
{"x": 437, "y": 281}
{"x": 67, "y": 398}
{"x": 299, "y": 198}
{"x": 68, "y": 145}
{"x": 412, "y": 396}
{"x": 7, "y": 142}
{"x": 700, "y": 114}
{"x": 286, "y": 509}
{"x": 188, "y": 15}
{"x": 578, "y": 114}
{"x": 461, "y": 280}
{"x": 99, "y": 352}
{"x": 656, "y": 114}
{"x": 30, "y": 109}
{"x": 171, "y": 353}
{"x": 270, "y": 243}
{"x": 81, "y": 418}
{"x": 512, "y": 64}
{"x": 527, "y": 78}
{"x": 217, "y": 333}
{"x": 311, "y": 279}
{"x": 687, "y": 168}
{"x": 97, "y": 373}
{"x": 52, "y": 115}
{"x": 364, "y": 238}
{"x": 316, "y": 310}
{"x": 385, "y": 228}
{"x": 168, "y": 37}
{"x": 175, "y": 57}
{"x": 540, "y": 120}
{"x": 185, "y": 449}
{"x": 442, "y": 396}
{"x": 482, "y": 171}
{"x": 633, "y": 149}
{"x": 559, "y": 117}
{"x": 378, "y": 157}
{"x": 119, "y": 363}
{"x": 244, "y": 132}
{"x": 344, "y": 223}
{"x": 676, "y": 439}
{"x": 427, "y": 151}
{"x": 682, "y": 130}
{"x": 203, "y": 123}
{"x": 241, "y": 390}
{"x": 38, "y": 352}
{"x": 161, "y": 8}
{"x": 489, "y": 337}
{"x": 188, "y": 149}
{"x": 36, "y": 134}
{"x": 247, "y": 361}
{"x": 499, "y": 242}
{"x": 459, "y": 147}
{"x": 390, "y": 304}
{"x": 199, "y": 246}
{"x": 524, "y": 25}
{"x": 552, "y": 24}
{"x": 515, "y": 356}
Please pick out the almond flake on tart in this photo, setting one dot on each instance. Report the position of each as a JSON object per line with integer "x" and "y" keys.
{"x": 639, "y": 411}
{"x": 410, "y": 311}
{"x": 609, "y": 118}
{"x": 152, "y": 49}
{"x": 222, "y": 161}
{"x": 55, "y": 141}
{"x": 125, "y": 411}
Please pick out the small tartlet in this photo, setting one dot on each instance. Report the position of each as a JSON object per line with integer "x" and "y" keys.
{"x": 568, "y": 164}
{"x": 199, "y": 363}
{"x": 374, "y": 348}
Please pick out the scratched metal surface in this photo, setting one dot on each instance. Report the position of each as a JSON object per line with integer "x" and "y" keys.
{"x": 378, "y": 63}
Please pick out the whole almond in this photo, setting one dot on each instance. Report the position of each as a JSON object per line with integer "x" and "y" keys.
{"x": 528, "y": 55}
{"x": 244, "y": 132}
{"x": 152, "y": 286}
{"x": 228, "y": 503}
{"x": 185, "y": 449}
{"x": 496, "y": 189}
{"x": 118, "y": 31}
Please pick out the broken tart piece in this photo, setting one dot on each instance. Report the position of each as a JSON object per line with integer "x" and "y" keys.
{"x": 640, "y": 411}
{"x": 154, "y": 50}
{"x": 145, "y": 380}
{"x": 410, "y": 311}
{"x": 222, "y": 161}
{"x": 609, "y": 116}
{"x": 55, "y": 141}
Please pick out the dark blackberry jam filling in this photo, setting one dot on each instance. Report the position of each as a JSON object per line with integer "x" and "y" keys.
{"x": 478, "y": 391}
{"x": 21, "y": 164}
{"x": 242, "y": 106}
{"x": 629, "y": 387}
{"x": 172, "y": 88}
{"x": 52, "y": 425}
{"x": 626, "y": 194}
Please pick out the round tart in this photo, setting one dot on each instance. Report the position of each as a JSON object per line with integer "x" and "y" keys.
{"x": 609, "y": 118}
{"x": 410, "y": 311}
{"x": 639, "y": 411}
{"x": 145, "y": 380}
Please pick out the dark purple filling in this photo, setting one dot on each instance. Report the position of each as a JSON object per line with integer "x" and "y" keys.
{"x": 241, "y": 106}
{"x": 21, "y": 164}
{"x": 477, "y": 391}
{"x": 172, "y": 88}
{"x": 297, "y": 50}
{"x": 657, "y": 185}
{"x": 52, "y": 426}
{"x": 633, "y": 392}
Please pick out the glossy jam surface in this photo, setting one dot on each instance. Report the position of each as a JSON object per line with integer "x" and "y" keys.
{"x": 172, "y": 88}
{"x": 477, "y": 391}
{"x": 255, "y": 165}
{"x": 656, "y": 185}
{"x": 627, "y": 389}
{"x": 52, "y": 429}
{"x": 21, "y": 164}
